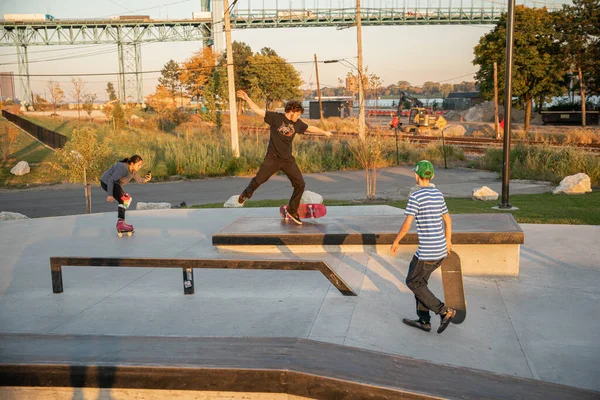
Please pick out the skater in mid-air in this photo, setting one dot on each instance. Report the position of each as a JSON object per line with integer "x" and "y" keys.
{"x": 112, "y": 182}
{"x": 283, "y": 128}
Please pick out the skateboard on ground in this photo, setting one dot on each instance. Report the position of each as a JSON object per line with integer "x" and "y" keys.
{"x": 305, "y": 211}
{"x": 454, "y": 292}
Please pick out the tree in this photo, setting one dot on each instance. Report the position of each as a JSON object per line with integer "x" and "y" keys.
{"x": 536, "y": 71}
{"x": 431, "y": 88}
{"x": 84, "y": 158}
{"x": 404, "y": 86}
{"x": 368, "y": 152}
{"x": 118, "y": 117}
{"x": 272, "y": 78}
{"x": 159, "y": 101}
{"x": 269, "y": 52}
{"x": 375, "y": 84}
{"x": 56, "y": 95}
{"x": 78, "y": 93}
{"x": 170, "y": 79}
{"x": 578, "y": 26}
{"x": 110, "y": 90}
{"x": 41, "y": 104}
{"x": 8, "y": 138}
{"x": 241, "y": 53}
{"x": 445, "y": 89}
{"x": 197, "y": 71}
{"x": 89, "y": 99}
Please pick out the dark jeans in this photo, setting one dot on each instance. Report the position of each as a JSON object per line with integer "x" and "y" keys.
{"x": 117, "y": 194}
{"x": 272, "y": 164}
{"x": 418, "y": 276}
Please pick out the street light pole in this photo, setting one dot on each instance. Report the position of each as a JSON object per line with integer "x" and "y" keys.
{"x": 510, "y": 30}
{"x": 361, "y": 90}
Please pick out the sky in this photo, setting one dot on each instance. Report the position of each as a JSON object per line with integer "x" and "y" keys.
{"x": 409, "y": 53}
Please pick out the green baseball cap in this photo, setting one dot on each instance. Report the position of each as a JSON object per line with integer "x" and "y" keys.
{"x": 424, "y": 169}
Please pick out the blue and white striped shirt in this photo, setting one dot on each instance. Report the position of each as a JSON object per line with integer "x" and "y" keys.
{"x": 427, "y": 205}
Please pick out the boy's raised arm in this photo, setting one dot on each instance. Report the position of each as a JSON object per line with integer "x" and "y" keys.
{"x": 244, "y": 96}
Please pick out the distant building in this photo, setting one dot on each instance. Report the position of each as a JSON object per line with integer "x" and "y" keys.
{"x": 7, "y": 86}
{"x": 462, "y": 100}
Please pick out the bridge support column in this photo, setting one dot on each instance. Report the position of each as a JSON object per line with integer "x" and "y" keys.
{"x": 23, "y": 61}
{"x": 130, "y": 77}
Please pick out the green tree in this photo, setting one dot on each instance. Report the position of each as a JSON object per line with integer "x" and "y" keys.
{"x": 78, "y": 94}
{"x": 118, "y": 117}
{"x": 241, "y": 54}
{"x": 57, "y": 95}
{"x": 431, "y": 88}
{"x": 89, "y": 99}
{"x": 110, "y": 90}
{"x": 537, "y": 74}
{"x": 170, "y": 79}
{"x": 578, "y": 26}
{"x": 272, "y": 78}
{"x": 84, "y": 158}
{"x": 445, "y": 89}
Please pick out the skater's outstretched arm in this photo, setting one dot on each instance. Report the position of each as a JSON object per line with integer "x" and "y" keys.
{"x": 244, "y": 96}
{"x": 314, "y": 129}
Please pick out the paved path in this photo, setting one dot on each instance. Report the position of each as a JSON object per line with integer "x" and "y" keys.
{"x": 394, "y": 183}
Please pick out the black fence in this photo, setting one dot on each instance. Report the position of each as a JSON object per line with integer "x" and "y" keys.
{"x": 50, "y": 138}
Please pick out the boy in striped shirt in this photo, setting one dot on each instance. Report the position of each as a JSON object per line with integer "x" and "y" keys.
{"x": 428, "y": 207}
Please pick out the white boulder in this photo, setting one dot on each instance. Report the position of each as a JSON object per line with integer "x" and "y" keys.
{"x": 152, "y": 206}
{"x": 233, "y": 202}
{"x": 9, "y": 216}
{"x": 484, "y": 193}
{"x": 309, "y": 197}
{"x": 21, "y": 168}
{"x": 574, "y": 184}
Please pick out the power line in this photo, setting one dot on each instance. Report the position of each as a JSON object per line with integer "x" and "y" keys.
{"x": 159, "y": 71}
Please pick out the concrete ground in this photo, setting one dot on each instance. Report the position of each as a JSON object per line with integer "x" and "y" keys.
{"x": 543, "y": 325}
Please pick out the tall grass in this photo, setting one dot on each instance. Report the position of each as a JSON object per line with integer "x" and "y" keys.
{"x": 543, "y": 163}
{"x": 207, "y": 152}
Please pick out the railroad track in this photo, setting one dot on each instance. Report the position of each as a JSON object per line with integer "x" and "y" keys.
{"x": 470, "y": 144}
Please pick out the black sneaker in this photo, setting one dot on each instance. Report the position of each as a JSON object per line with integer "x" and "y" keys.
{"x": 446, "y": 318}
{"x": 242, "y": 198}
{"x": 295, "y": 218}
{"x": 417, "y": 323}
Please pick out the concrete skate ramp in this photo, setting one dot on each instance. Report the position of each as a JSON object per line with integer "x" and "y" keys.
{"x": 249, "y": 365}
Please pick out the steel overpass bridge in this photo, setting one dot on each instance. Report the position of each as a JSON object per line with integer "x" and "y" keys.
{"x": 128, "y": 35}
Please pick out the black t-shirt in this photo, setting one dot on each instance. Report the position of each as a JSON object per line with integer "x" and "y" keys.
{"x": 283, "y": 131}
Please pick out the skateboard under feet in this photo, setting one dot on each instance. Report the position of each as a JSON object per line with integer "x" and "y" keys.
{"x": 305, "y": 211}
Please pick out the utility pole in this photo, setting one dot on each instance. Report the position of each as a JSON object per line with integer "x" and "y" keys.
{"x": 496, "y": 101}
{"x": 319, "y": 90}
{"x": 361, "y": 90}
{"x": 510, "y": 31}
{"x": 235, "y": 145}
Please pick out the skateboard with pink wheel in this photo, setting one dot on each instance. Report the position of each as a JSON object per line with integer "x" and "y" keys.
{"x": 305, "y": 211}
